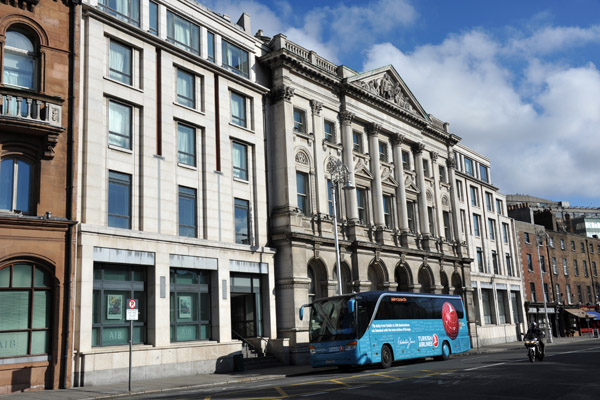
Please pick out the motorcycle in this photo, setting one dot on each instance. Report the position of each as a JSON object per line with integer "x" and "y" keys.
{"x": 533, "y": 348}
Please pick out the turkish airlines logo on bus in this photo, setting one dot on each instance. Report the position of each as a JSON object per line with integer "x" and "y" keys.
{"x": 436, "y": 341}
{"x": 450, "y": 320}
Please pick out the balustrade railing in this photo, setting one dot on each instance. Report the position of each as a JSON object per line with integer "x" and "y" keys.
{"x": 29, "y": 108}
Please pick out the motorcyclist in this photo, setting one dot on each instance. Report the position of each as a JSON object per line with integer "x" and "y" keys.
{"x": 535, "y": 331}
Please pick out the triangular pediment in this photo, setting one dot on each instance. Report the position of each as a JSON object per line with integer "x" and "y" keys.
{"x": 386, "y": 83}
{"x": 410, "y": 184}
{"x": 387, "y": 177}
{"x": 362, "y": 171}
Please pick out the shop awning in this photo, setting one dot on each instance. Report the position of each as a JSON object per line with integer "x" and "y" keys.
{"x": 580, "y": 313}
{"x": 595, "y": 314}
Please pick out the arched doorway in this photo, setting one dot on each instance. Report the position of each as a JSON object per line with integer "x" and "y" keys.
{"x": 318, "y": 276}
{"x": 376, "y": 276}
{"x": 444, "y": 282}
{"x": 402, "y": 278}
{"x": 346, "y": 278}
{"x": 457, "y": 284}
{"x": 425, "y": 280}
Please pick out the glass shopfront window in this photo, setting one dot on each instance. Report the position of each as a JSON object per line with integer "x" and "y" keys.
{"x": 114, "y": 284}
{"x": 190, "y": 305}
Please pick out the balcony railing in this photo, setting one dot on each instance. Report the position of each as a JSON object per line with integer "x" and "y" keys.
{"x": 26, "y": 107}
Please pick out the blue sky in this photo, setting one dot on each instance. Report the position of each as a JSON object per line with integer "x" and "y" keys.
{"x": 519, "y": 81}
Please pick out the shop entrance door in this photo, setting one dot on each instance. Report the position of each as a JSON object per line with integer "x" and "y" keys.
{"x": 243, "y": 315}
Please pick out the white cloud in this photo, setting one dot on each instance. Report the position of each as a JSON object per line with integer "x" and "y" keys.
{"x": 551, "y": 39}
{"x": 542, "y": 140}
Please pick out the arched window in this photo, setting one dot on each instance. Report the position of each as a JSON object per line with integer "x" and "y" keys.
{"x": 425, "y": 280}
{"x": 26, "y": 312}
{"x": 402, "y": 279}
{"x": 19, "y": 60}
{"x": 16, "y": 177}
{"x": 346, "y": 279}
{"x": 375, "y": 275}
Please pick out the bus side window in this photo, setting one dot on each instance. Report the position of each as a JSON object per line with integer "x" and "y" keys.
{"x": 383, "y": 312}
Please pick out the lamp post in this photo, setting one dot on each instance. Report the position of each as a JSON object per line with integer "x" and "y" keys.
{"x": 539, "y": 237}
{"x": 339, "y": 175}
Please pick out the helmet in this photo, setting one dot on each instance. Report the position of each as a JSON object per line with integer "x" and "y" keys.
{"x": 533, "y": 325}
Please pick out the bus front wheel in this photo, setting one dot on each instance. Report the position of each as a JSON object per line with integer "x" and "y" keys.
{"x": 445, "y": 352}
{"x": 386, "y": 356}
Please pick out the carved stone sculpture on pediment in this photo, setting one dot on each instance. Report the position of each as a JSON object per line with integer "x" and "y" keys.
{"x": 387, "y": 89}
{"x": 316, "y": 107}
{"x": 302, "y": 158}
{"x": 409, "y": 184}
{"x": 346, "y": 117}
{"x": 283, "y": 92}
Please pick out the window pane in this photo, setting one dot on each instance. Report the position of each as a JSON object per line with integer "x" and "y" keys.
{"x": 42, "y": 278}
{"x": 240, "y": 161}
{"x": 23, "y": 186}
{"x": 112, "y": 336}
{"x": 40, "y": 341}
{"x": 16, "y": 344}
{"x": 116, "y": 274}
{"x": 183, "y": 33}
{"x": 238, "y": 109}
{"x": 187, "y": 307}
{"x": 120, "y": 63}
{"x": 6, "y": 184}
{"x": 17, "y": 315}
{"x": 18, "y": 69}
{"x": 119, "y": 195}
{"x": 4, "y": 277}
{"x": 241, "y": 221}
{"x": 114, "y": 304}
{"x": 235, "y": 59}
{"x": 185, "y": 89}
{"x": 211, "y": 46}
{"x": 21, "y": 275}
{"x": 119, "y": 125}
{"x": 41, "y": 309}
{"x": 187, "y": 212}
{"x": 125, "y": 10}
{"x": 187, "y": 145}
{"x": 153, "y": 11}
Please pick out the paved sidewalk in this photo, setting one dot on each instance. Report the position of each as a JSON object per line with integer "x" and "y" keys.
{"x": 210, "y": 380}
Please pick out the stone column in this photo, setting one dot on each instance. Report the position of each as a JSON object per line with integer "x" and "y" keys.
{"x": 436, "y": 193}
{"x": 451, "y": 164}
{"x": 422, "y": 198}
{"x": 317, "y": 129}
{"x": 373, "y": 133}
{"x": 348, "y": 158}
{"x": 397, "y": 140}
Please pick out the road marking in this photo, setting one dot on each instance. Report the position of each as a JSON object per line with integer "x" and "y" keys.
{"x": 312, "y": 394}
{"x": 357, "y": 387}
{"x": 484, "y": 366}
{"x": 339, "y": 382}
{"x": 280, "y": 391}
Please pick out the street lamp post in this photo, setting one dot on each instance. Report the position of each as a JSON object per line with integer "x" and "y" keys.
{"x": 539, "y": 237}
{"x": 339, "y": 175}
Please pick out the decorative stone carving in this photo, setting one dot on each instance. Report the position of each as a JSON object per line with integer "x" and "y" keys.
{"x": 387, "y": 89}
{"x": 373, "y": 128}
{"x": 316, "y": 107}
{"x": 419, "y": 147}
{"x": 451, "y": 162}
{"x": 434, "y": 156}
{"x": 302, "y": 158}
{"x": 282, "y": 93}
{"x": 346, "y": 117}
{"x": 397, "y": 138}
{"x": 445, "y": 201}
{"x": 429, "y": 196}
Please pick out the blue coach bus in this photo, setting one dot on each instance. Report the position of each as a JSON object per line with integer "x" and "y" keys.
{"x": 383, "y": 327}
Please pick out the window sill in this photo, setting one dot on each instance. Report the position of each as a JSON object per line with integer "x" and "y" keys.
{"x": 240, "y": 180}
{"x": 124, "y": 84}
{"x": 189, "y": 108}
{"x": 242, "y": 128}
{"x": 186, "y": 166}
{"x": 24, "y": 359}
{"x": 120, "y": 149}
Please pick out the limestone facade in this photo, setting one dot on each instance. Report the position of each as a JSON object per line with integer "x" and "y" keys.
{"x": 490, "y": 235}
{"x": 397, "y": 220}
{"x": 173, "y": 205}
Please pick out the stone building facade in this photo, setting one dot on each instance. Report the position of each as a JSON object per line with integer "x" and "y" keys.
{"x": 397, "y": 220}
{"x": 38, "y": 100}
{"x": 173, "y": 205}
{"x": 489, "y": 234}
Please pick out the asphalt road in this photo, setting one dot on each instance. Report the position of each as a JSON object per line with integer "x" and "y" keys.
{"x": 568, "y": 372}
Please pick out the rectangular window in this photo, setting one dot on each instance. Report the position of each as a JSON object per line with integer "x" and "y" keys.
{"x": 499, "y": 207}
{"x": 554, "y": 267}
{"x": 302, "y": 192}
{"x": 238, "y": 110}
{"x": 509, "y": 270}
{"x": 543, "y": 263}
{"x": 526, "y": 237}
{"x": 186, "y": 144}
{"x": 186, "y": 89}
{"x": 211, "y": 46}
{"x": 410, "y": 214}
{"x": 546, "y": 292}
{"x": 562, "y": 244}
{"x": 187, "y": 212}
{"x": 591, "y": 248}
{"x": 119, "y": 124}
{"x": 480, "y": 266}
{"x": 529, "y": 263}
{"x": 329, "y": 130}
{"x": 431, "y": 219}
{"x": 357, "y": 142}
{"x": 579, "y": 294}
{"x": 572, "y": 245}
{"x": 153, "y": 18}
{"x": 383, "y": 157}
{"x": 589, "y": 294}
{"x": 426, "y": 170}
{"x": 502, "y": 307}
{"x": 387, "y": 210}
{"x": 476, "y": 227}
{"x": 459, "y": 190}
{"x": 190, "y": 305}
{"x": 469, "y": 167}
{"x": 582, "y": 246}
{"x": 495, "y": 262}
{"x": 505, "y": 232}
{"x": 119, "y": 200}
{"x": 463, "y": 220}
{"x": 568, "y": 294}
{"x": 585, "y": 268}
{"x": 446, "y": 216}
{"x": 575, "y": 268}
{"x": 492, "y": 228}
{"x": 483, "y": 173}
{"x": 120, "y": 63}
{"x": 489, "y": 201}
{"x": 235, "y": 59}
{"x": 551, "y": 242}
{"x": 558, "y": 294}
{"x": 487, "y": 300}
{"x": 299, "y": 120}
{"x": 330, "y": 198}
{"x": 361, "y": 200}
{"x": 442, "y": 172}
{"x": 114, "y": 284}
{"x": 240, "y": 161}
{"x": 242, "y": 221}
{"x": 565, "y": 267}
{"x": 16, "y": 185}
{"x": 125, "y": 10}
{"x": 595, "y": 271}
{"x": 183, "y": 33}
{"x": 405, "y": 160}
{"x": 474, "y": 196}
{"x": 532, "y": 290}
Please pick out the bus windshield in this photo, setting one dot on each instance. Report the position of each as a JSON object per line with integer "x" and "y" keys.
{"x": 331, "y": 320}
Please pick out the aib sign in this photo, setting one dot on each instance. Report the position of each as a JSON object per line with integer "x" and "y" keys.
{"x": 450, "y": 320}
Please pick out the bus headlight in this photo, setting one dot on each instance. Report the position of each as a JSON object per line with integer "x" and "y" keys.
{"x": 350, "y": 346}
{"x": 312, "y": 349}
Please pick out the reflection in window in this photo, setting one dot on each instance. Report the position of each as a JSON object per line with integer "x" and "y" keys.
{"x": 119, "y": 67}
{"x": 186, "y": 89}
{"x": 240, "y": 161}
{"x": 329, "y": 129}
{"x": 125, "y": 10}
{"x": 26, "y": 314}
{"x": 302, "y": 192}
{"x": 186, "y": 145}
{"x": 153, "y": 17}
{"x": 242, "y": 221}
{"x": 211, "y": 46}
{"x": 19, "y": 60}
{"x": 235, "y": 59}
{"x": 119, "y": 200}
{"x": 16, "y": 177}
{"x": 187, "y": 211}
{"x": 190, "y": 305}
{"x": 299, "y": 120}
{"x": 238, "y": 109}
{"x": 119, "y": 124}
{"x": 182, "y": 33}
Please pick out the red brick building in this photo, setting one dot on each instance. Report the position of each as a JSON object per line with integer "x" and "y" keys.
{"x": 38, "y": 81}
